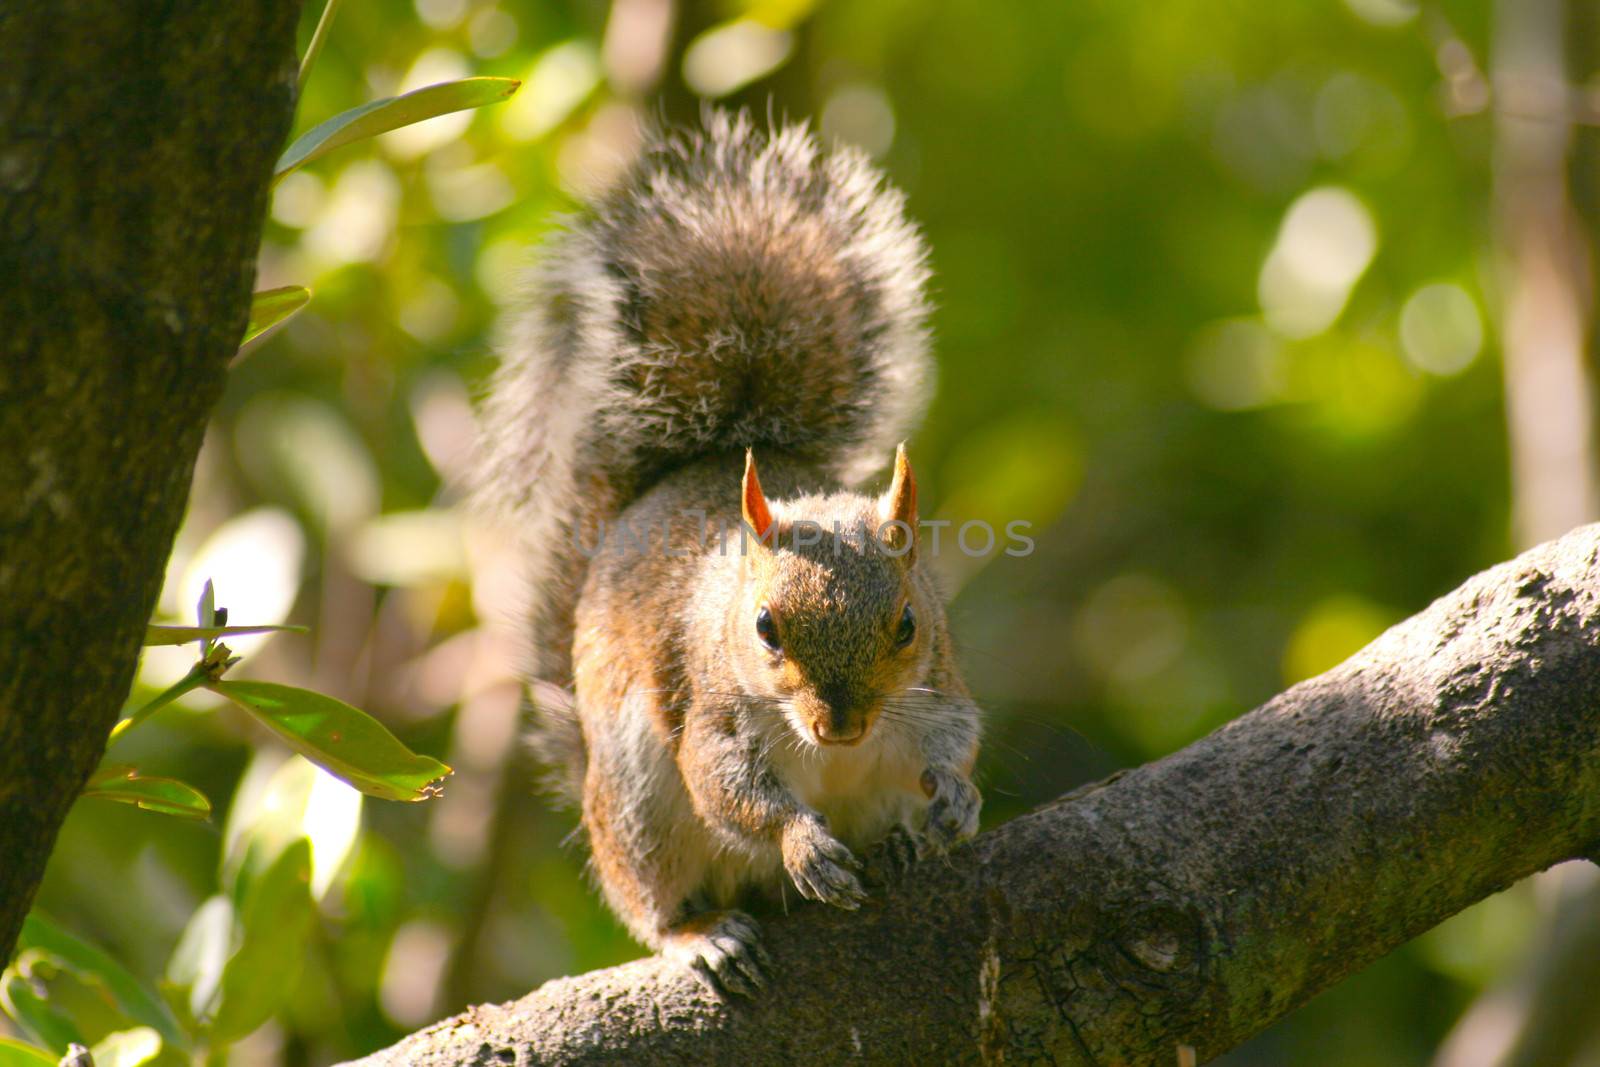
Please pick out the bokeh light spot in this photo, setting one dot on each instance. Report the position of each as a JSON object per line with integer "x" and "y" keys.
{"x": 492, "y": 32}
{"x": 1440, "y": 329}
{"x": 559, "y": 80}
{"x": 298, "y": 199}
{"x": 1132, "y": 627}
{"x": 433, "y": 66}
{"x": 726, "y": 58}
{"x": 1331, "y": 633}
{"x": 860, "y": 115}
{"x": 1235, "y": 365}
{"x": 1384, "y": 12}
{"x": 1325, "y": 244}
{"x": 358, "y": 217}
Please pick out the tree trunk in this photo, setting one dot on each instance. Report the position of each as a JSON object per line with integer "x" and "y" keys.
{"x": 1189, "y": 902}
{"x": 136, "y": 146}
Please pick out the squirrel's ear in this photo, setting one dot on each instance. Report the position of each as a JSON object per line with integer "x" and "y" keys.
{"x": 756, "y": 513}
{"x": 897, "y": 509}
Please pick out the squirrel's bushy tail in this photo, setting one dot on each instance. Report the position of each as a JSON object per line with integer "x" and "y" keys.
{"x": 737, "y": 288}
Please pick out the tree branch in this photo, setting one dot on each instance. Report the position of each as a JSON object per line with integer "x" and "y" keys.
{"x": 1190, "y": 901}
{"x": 136, "y": 146}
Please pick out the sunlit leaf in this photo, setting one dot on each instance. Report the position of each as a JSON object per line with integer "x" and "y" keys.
{"x": 37, "y": 1017}
{"x": 276, "y": 918}
{"x": 206, "y": 610}
{"x": 167, "y": 796}
{"x": 391, "y": 113}
{"x": 264, "y": 816}
{"x": 206, "y": 614}
{"x": 345, "y": 741}
{"x": 136, "y": 1001}
{"x": 195, "y": 969}
{"x": 271, "y": 306}
{"x": 296, "y": 800}
{"x": 182, "y": 635}
{"x": 127, "y": 1048}
{"x": 17, "y": 1054}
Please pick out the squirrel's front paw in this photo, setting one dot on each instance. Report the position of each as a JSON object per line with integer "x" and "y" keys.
{"x": 723, "y": 949}
{"x": 953, "y": 805}
{"x": 820, "y": 865}
{"x": 891, "y": 859}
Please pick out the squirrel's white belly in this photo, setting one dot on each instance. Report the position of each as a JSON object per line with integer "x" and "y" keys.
{"x": 863, "y": 790}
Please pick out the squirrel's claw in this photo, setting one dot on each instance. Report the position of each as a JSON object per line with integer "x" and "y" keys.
{"x": 894, "y": 856}
{"x": 723, "y": 951}
{"x": 826, "y": 881}
{"x": 820, "y": 865}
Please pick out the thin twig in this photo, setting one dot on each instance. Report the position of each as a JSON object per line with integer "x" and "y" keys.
{"x": 318, "y": 36}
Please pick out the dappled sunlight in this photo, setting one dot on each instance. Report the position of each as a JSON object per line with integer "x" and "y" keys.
{"x": 1325, "y": 244}
{"x": 1218, "y": 331}
{"x": 1235, "y": 365}
{"x": 558, "y": 81}
{"x": 860, "y": 115}
{"x": 1440, "y": 329}
{"x": 430, "y": 67}
{"x": 731, "y": 56}
{"x": 357, "y": 218}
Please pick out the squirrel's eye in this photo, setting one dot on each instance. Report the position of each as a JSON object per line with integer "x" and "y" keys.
{"x": 908, "y": 628}
{"x": 767, "y": 630}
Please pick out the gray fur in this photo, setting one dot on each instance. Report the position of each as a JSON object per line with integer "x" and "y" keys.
{"x": 738, "y": 288}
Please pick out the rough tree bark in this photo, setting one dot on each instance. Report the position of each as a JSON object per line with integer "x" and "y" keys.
{"x": 1191, "y": 901}
{"x": 136, "y": 147}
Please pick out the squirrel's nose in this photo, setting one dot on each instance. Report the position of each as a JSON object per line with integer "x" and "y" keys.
{"x": 839, "y": 724}
{"x": 837, "y": 730}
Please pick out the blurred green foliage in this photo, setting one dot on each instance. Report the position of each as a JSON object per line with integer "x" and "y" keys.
{"x": 1213, "y": 313}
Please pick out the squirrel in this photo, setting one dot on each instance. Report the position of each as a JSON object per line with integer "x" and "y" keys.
{"x": 761, "y": 674}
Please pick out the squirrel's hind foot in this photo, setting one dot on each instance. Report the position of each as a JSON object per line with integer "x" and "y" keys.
{"x": 723, "y": 950}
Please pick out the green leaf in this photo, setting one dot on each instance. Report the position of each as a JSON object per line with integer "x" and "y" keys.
{"x": 268, "y": 308}
{"x": 34, "y": 1013}
{"x": 297, "y": 799}
{"x": 17, "y": 1054}
{"x": 345, "y": 741}
{"x": 276, "y": 919}
{"x": 94, "y": 963}
{"x": 182, "y": 635}
{"x": 195, "y": 968}
{"x": 391, "y": 113}
{"x": 165, "y": 795}
{"x": 127, "y": 1048}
